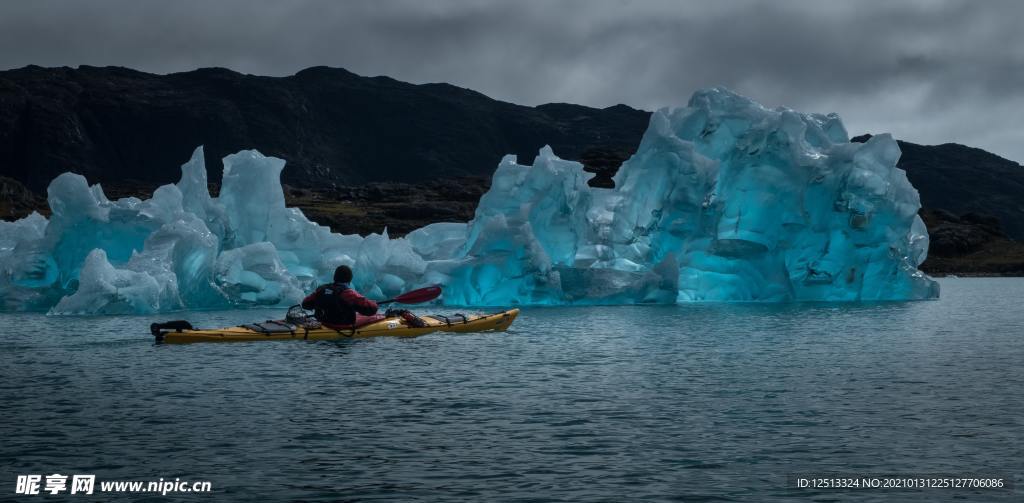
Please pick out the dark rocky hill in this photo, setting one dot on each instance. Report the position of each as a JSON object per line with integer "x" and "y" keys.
{"x": 364, "y": 153}
{"x": 332, "y": 126}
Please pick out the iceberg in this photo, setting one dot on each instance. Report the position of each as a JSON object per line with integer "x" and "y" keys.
{"x": 724, "y": 200}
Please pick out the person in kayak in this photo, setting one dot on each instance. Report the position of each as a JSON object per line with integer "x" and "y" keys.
{"x": 337, "y": 304}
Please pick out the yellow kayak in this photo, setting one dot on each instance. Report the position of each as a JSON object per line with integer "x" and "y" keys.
{"x": 177, "y": 332}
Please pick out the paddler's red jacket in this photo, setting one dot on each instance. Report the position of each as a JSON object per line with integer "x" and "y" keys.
{"x": 337, "y": 304}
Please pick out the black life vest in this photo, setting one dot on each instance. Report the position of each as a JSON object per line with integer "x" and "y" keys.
{"x": 331, "y": 308}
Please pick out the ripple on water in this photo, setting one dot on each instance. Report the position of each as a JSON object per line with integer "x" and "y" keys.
{"x": 709, "y": 402}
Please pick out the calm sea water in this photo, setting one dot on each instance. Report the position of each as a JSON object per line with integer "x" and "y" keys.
{"x": 690, "y": 403}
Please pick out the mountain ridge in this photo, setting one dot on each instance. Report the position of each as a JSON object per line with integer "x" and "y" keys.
{"x": 331, "y": 125}
{"x": 131, "y": 131}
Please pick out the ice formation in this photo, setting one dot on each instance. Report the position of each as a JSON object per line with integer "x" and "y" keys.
{"x": 725, "y": 200}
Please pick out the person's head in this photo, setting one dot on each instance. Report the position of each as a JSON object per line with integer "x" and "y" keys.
{"x": 343, "y": 274}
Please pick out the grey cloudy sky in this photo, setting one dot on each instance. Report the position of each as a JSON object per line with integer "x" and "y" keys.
{"x": 929, "y": 71}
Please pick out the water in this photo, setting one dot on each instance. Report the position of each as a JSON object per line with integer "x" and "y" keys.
{"x": 692, "y": 403}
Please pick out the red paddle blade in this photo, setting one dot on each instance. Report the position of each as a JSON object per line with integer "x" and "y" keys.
{"x": 418, "y": 296}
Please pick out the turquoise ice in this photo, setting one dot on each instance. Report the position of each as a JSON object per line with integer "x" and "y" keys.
{"x": 725, "y": 200}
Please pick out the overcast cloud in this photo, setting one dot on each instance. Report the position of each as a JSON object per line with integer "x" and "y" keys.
{"x": 926, "y": 71}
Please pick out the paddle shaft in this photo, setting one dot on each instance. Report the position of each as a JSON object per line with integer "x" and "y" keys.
{"x": 416, "y": 296}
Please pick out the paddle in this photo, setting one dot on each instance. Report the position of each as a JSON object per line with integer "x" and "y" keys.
{"x": 416, "y": 296}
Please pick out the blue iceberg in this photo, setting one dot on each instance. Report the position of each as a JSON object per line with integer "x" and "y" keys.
{"x": 725, "y": 200}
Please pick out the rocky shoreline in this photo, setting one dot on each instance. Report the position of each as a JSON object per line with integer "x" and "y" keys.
{"x": 970, "y": 245}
